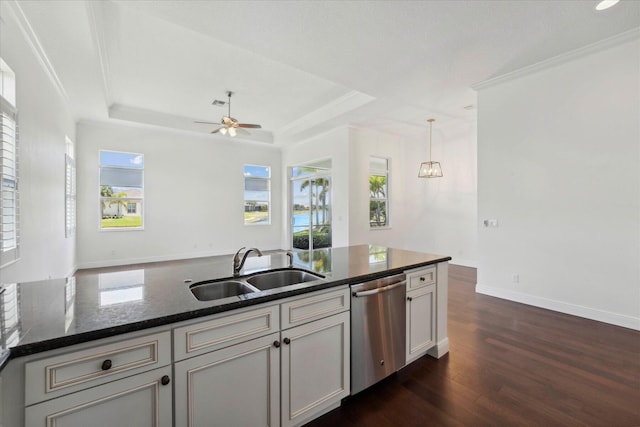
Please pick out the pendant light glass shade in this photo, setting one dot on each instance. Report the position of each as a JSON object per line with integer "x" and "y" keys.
{"x": 430, "y": 169}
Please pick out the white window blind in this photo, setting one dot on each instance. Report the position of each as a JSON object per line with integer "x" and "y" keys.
{"x": 9, "y": 210}
{"x": 70, "y": 195}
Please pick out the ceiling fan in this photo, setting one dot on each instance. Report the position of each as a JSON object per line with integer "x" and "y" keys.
{"x": 229, "y": 124}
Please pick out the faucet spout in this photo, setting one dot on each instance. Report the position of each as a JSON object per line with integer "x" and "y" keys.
{"x": 238, "y": 264}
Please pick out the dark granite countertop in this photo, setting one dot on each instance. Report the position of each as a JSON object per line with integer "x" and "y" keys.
{"x": 98, "y": 303}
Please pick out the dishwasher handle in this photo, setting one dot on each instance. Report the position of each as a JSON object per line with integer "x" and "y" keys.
{"x": 378, "y": 290}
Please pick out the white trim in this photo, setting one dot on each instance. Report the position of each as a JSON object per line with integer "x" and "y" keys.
{"x": 96, "y": 26}
{"x": 621, "y": 38}
{"x": 464, "y": 262}
{"x": 347, "y": 102}
{"x": 562, "y": 307}
{"x": 160, "y": 258}
{"x": 36, "y": 46}
{"x": 440, "y": 349}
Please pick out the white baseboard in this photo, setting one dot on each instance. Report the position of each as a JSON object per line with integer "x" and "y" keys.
{"x": 144, "y": 260}
{"x": 158, "y": 258}
{"x": 562, "y": 307}
{"x": 464, "y": 262}
{"x": 439, "y": 349}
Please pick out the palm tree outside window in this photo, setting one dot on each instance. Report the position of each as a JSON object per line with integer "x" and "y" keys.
{"x": 121, "y": 190}
{"x": 378, "y": 192}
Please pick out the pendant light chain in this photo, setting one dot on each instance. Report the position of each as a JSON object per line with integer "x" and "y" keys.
{"x": 430, "y": 169}
{"x": 430, "y": 139}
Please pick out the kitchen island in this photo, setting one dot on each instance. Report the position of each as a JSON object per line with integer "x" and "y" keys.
{"x": 101, "y": 307}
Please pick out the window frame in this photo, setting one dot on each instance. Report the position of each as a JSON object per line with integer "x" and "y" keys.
{"x": 244, "y": 195}
{"x": 373, "y": 171}
{"x": 123, "y": 199}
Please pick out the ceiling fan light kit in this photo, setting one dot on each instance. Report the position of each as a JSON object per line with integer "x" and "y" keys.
{"x": 430, "y": 169}
{"x": 228, "y": 124}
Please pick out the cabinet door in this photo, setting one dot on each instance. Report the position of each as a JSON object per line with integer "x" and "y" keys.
{"x": 421, "y": 321}
{"x": 235, "y": 386}
{"x": 315, "y": 368}
{"x": 140, "y": 400}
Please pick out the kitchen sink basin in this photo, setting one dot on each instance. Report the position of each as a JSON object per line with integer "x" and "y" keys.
{"x": 279, "y": 278}
{"x": 212, "y": 290}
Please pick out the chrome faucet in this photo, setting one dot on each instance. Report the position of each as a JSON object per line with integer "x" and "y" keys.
{"x": 237, "y": 264}
{"x": 290, "y": 256}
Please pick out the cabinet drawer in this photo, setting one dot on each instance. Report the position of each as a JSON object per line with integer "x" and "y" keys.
{"x": 70, "y": 372}
{"x": 418, "y": 279}
{"x": 314, "y": 307}
{"x": 199, "y": 338}
{"x": 140, "y": 400}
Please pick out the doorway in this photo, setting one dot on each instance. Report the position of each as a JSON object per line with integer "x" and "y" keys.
{"x": 310, "y": 207}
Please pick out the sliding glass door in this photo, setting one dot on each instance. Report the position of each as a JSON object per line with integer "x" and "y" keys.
{"x": 310, "y": 208}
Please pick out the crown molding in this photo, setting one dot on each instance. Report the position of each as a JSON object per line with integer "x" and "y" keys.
{"x": 34, "y": 43}
{"x": 349, "y": 101}
{"x": 633, "y": 34}
{"x": 96, "y": 26}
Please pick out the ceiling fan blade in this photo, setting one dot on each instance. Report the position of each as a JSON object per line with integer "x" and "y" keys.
{"x": 207, "y": 123}
{"x": 217, "y": 130}
{"x": 248, "y": 125}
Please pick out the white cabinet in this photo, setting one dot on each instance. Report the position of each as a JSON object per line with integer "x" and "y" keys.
{"x": 142, "y": 400}
{"x": 234, "y": 386}
{"x": 421, "y": 321}
{"x": 427, "y": 295}
{"x": 77, "y": 370}
{"x": 123, "y": 382}
{"x": 283, "y": 378}
{"x": 315, "y": 368}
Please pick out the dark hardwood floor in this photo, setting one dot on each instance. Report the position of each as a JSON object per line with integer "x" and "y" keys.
{"x": 509, "y": 365}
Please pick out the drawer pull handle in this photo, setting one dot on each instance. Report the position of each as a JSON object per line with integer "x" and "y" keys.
{"x": 287, "y": 341}
{"x": 409, "y": 299}
{"x": 165, "y": 380}
{"x": 106, "y": 365}
{"x": 422, "y": 278}
{"x": 276, "y": 344}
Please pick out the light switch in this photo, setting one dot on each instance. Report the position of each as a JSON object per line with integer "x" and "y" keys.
{"x": 490, "y": 222}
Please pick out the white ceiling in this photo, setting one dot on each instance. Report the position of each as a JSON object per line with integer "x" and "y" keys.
{"x": 302, "y": 67}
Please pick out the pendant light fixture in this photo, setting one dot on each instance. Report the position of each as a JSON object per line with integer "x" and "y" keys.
{"x": 430, "y": 169}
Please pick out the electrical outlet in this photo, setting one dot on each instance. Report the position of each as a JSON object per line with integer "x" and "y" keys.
{"x": 490, "y": 222}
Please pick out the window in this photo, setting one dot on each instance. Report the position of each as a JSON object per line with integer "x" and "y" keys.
{"x": 378, "y": 192}
{"x": 70, "y": 190}
{"x": 257, "y": 195}
{"x": 121, "y": 190}
{"x": 9, "y": 206}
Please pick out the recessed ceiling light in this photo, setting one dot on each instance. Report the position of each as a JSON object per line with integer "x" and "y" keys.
{"x": 606, "y": 4}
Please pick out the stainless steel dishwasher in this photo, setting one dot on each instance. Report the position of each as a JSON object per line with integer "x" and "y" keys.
{"x": 378, "y": 325}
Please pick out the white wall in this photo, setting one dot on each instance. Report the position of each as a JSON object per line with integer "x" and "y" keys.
{"x": 193, "y": 204}
{"x": 441, "y": 214}
{"x": 435, "y": 215}
{"x": 364, "y": 144}
{"x": 559, "y": 167}
{"x": 44, "y": 121}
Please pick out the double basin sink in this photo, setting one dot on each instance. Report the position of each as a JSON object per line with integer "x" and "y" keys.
{"x": 223, "y": 288}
